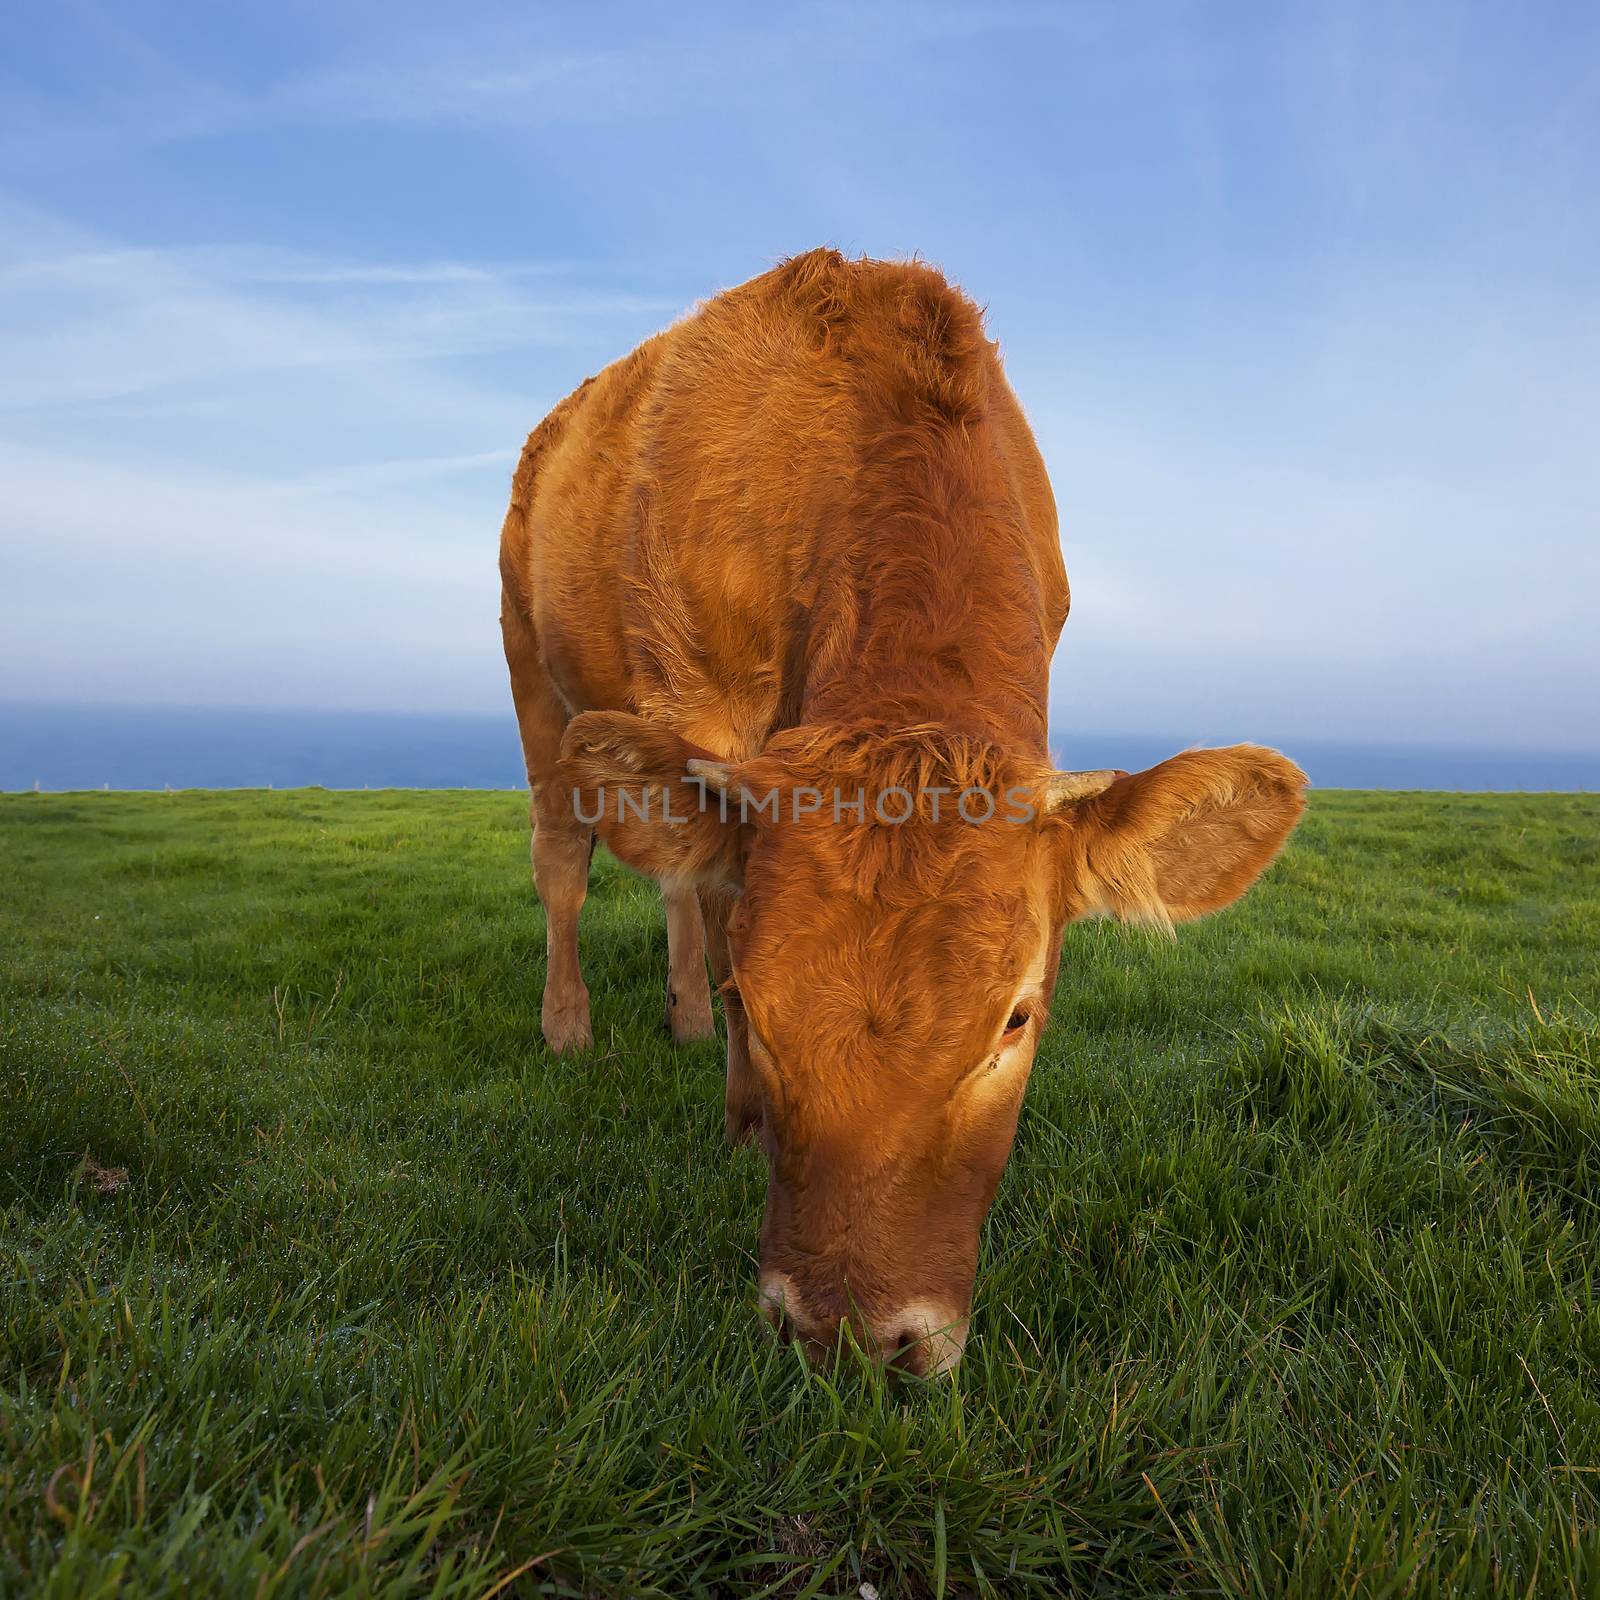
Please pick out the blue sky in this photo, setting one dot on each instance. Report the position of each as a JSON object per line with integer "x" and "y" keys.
{"x": 1302, "y": 301}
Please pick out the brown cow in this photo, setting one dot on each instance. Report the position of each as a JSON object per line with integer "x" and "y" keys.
{"x": 794, "y": 555}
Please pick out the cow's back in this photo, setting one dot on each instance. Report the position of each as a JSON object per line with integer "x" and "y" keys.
{"x": 676, "y": 520}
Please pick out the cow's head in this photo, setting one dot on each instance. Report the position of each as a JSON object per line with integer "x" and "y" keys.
{"x": 898, "y": 900}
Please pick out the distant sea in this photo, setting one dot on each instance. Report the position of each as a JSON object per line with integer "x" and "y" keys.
{"x": 62, "y": 747}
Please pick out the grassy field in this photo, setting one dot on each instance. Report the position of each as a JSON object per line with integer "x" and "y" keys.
{"x": 318, "y": 1275}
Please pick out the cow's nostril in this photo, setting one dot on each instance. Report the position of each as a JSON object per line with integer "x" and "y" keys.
{"x": 923, "y": 1339}
{"x": 909, "y": 1353}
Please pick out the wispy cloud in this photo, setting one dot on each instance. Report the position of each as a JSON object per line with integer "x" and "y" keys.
{"x": 258, "y": 264}
{"x": 485, "y": 68}
{"x": 94, "y": 323}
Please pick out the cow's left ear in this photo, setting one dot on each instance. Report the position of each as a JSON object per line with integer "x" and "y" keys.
{"x": 1180, "y": 839}
{"x": 635, "y": 782}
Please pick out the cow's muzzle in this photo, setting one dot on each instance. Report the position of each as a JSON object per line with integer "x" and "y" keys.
{"x": 922, "y": 1338}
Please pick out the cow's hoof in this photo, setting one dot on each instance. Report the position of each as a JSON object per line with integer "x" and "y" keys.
{"x": 688, "y": 1020}
{"x": 566, "y": 1027}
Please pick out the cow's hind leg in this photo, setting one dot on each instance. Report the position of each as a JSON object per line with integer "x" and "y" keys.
{"x": 688, "y": 1013}
{"x": 561, "y": 875}
{"x": 561, "y": 843}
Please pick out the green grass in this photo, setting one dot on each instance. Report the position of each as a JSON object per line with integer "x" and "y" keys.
{"x": 318, "y": 1275}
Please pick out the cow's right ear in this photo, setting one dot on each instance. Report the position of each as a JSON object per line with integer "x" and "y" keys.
{"x": 631, "y": 780}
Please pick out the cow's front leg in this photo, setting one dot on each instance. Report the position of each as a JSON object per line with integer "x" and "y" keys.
{"x": 561, "y": 844}
{"x": 561, "y": 847}
{"x": 688, "y": 1012}
{"x": 741, "y": 1100}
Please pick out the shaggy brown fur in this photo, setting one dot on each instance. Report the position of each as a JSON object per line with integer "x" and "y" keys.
{"x": 804, "y": 540}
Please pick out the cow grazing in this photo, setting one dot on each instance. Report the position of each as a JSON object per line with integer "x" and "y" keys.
{"x": 794, "y": 555}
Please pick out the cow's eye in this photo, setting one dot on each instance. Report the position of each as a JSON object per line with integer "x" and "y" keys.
{"x": 1017, "y": 1022}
